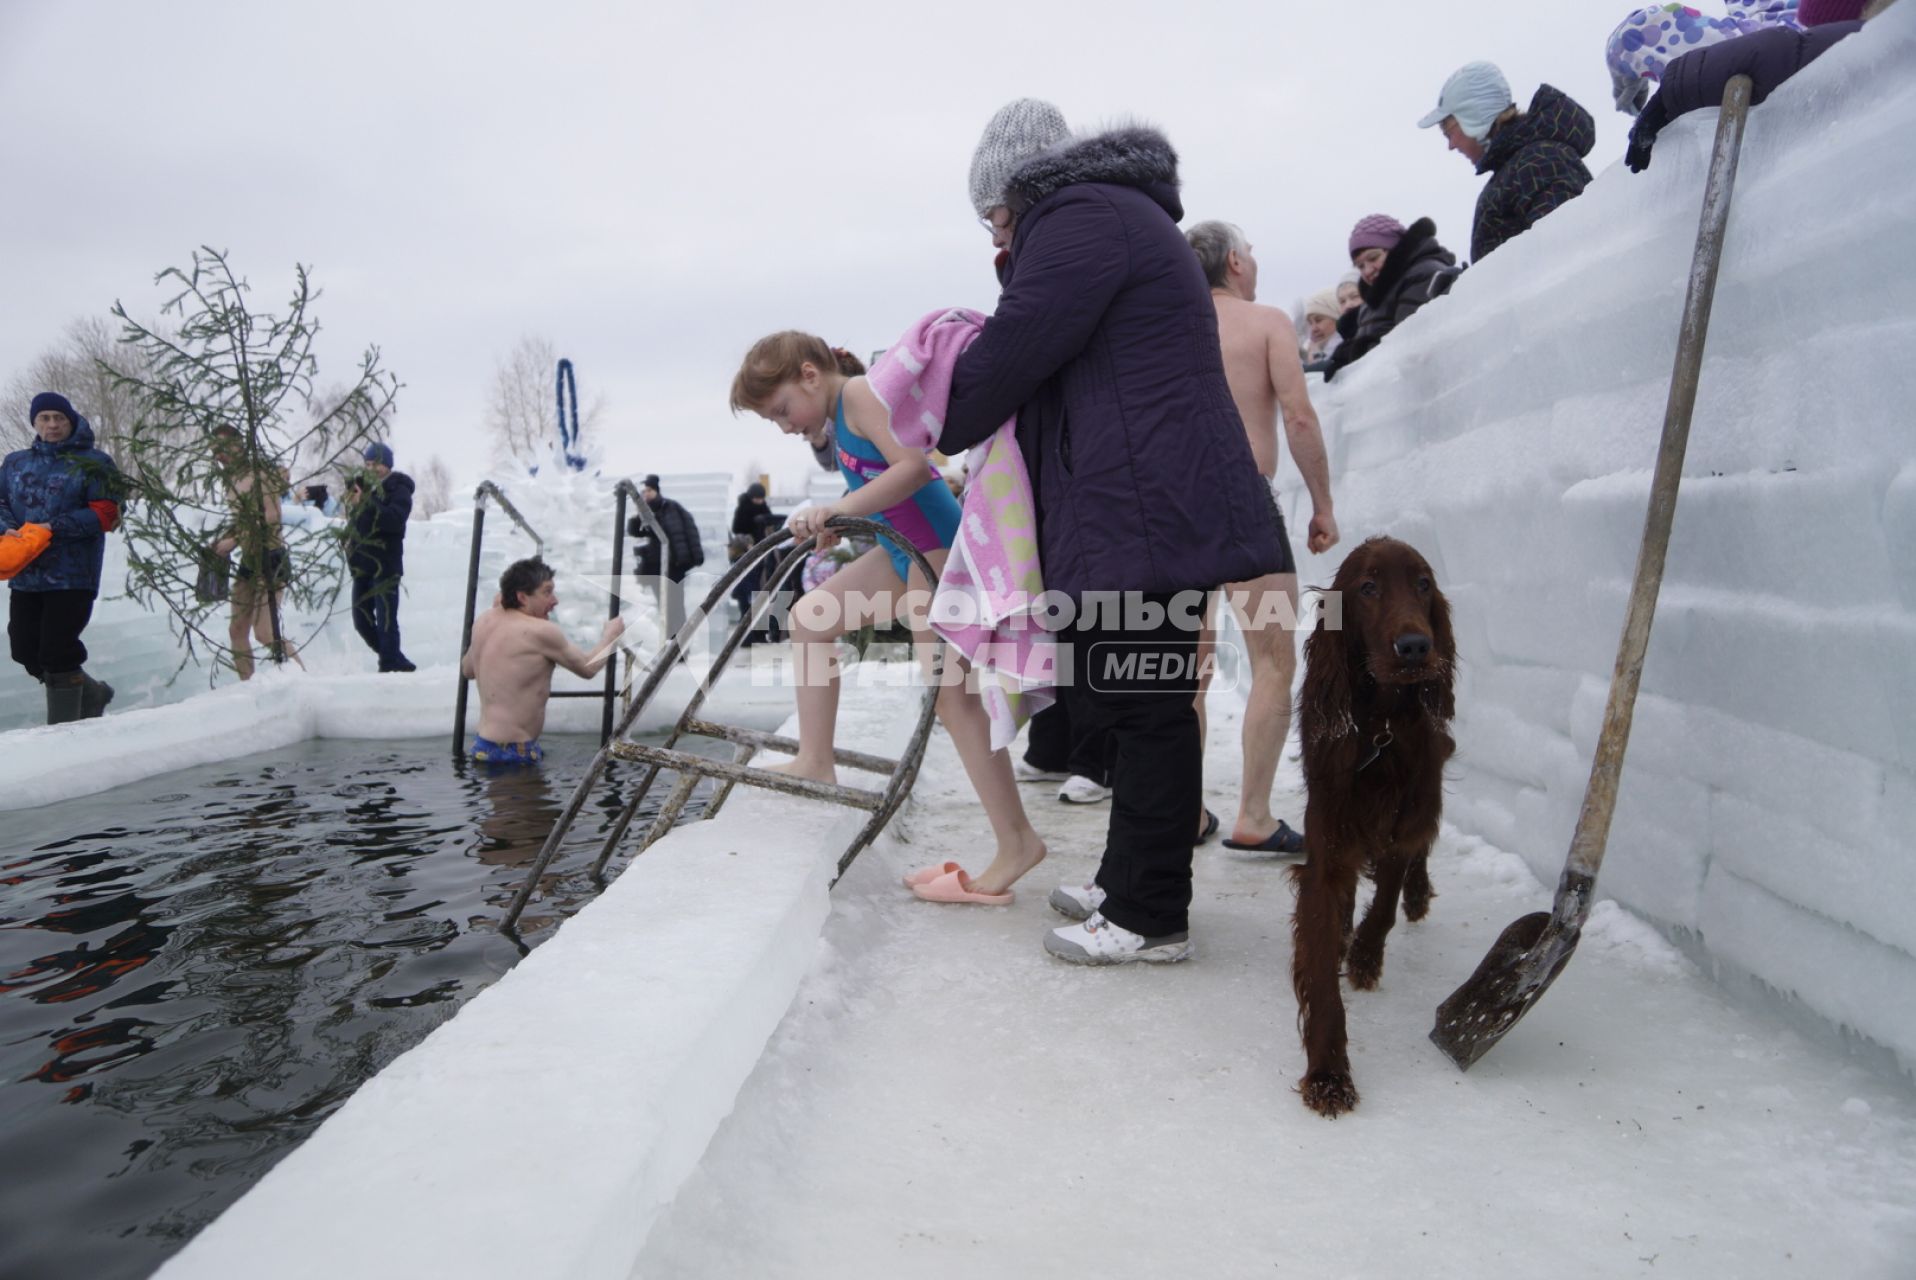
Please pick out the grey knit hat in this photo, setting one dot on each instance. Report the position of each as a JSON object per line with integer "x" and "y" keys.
{"x": 1019, "y": 131}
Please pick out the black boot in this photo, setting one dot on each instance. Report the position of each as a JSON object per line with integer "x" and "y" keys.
{"x": 93, "y": 701}
{"x": 65, "y": 691}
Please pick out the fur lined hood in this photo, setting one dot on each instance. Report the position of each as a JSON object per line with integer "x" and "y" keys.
{"x": 1125, "y": 156}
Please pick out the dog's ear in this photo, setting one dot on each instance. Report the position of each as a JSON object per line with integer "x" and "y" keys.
{"x": 1324, "y": 703}
{"x": 1442, "y": 699}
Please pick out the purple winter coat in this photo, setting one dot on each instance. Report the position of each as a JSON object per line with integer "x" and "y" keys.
{"x": 1105, "y": 345}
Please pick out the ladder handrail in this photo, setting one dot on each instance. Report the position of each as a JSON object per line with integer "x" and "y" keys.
{"x": 904, "y": 773}
{"x": 487, "y": 489}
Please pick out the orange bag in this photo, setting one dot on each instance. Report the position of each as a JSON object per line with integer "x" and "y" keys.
{"x": 19, "y": 547}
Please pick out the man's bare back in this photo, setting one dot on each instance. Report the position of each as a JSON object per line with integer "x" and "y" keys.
{"x": 512, "y": 657}
{"x": 1262, "y": 368}
{"x": 1245, "y": 330}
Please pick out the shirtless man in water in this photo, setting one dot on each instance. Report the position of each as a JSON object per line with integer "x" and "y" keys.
{"x": 515, "y": 648}
{"x": 1261, "y": 366}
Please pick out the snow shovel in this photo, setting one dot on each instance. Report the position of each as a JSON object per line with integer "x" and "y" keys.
{"x": 1529, "y": 955}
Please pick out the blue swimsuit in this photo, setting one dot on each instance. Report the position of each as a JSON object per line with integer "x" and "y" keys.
{"x": 928, "y": 519}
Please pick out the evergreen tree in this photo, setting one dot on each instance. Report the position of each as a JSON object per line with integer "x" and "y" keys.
{"x": 227, "y": 420}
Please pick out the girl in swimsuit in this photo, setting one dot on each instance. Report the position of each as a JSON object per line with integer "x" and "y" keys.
{"x": 809, "y": 389}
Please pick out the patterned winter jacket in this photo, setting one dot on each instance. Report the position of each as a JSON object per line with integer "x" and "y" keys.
{"x": 1536, "y": 164}
{"x": 72, "y": 488}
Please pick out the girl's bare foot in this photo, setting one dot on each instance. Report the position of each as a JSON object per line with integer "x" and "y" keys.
{"x": 1011, "y": 864}
{"x": 802, "y": 768}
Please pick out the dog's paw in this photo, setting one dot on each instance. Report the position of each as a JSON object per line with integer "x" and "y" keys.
{"x": 1364, "y": 965}
{"x": 1416, "y": 908}
{"x": 1328, "y": 1093}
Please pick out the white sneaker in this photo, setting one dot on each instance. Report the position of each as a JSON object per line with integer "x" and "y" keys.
{"x": 1098, "y": 941}
{"x": 1081, "y": 790}
{"x": 1076, "y": 901}
{"x": 1029, "y": 773}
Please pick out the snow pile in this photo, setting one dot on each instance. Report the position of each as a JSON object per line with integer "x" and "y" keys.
{"x": 155, "y": 726}
{"x": 277, "y": 709}
{"x": 1508, "y": 432}
{"x": 135, "y": 651}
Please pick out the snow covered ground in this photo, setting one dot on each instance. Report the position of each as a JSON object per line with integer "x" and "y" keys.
{"x": 943, "y": 1099}
{"x": 918, "y": 1090}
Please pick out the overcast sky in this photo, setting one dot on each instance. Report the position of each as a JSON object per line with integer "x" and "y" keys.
{"x": 654, "y": 186}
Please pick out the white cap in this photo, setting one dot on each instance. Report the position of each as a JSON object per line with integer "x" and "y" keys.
{"x": 1476, "y": 94}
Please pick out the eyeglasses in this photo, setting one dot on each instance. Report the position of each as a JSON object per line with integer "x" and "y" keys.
{"x": 990, "y": 223}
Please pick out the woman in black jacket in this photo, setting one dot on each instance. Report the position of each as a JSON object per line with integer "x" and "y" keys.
{"x": 1402, "y": 269}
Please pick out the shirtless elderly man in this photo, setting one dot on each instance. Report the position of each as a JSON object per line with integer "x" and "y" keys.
{"x": 515, "y": 648}
{"x": 1261, "y": 366}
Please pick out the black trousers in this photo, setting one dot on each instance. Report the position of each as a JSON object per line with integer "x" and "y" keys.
{"x": 1134, "y": 688}
{"x": 376, "y": 617}
{"x": 1055, "y": 746}
{"x": 43, "y": 629}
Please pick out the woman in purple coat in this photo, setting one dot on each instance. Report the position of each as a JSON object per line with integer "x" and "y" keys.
{"x": 1104, "y": 345}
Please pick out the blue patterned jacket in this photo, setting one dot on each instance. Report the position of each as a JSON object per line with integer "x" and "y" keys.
{"x": 51, "y": 484}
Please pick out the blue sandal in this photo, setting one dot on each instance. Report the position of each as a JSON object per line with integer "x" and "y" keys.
{"x": 1282, "y": 840}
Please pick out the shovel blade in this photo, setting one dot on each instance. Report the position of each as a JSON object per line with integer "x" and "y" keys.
{"x": 1525, "y": 960}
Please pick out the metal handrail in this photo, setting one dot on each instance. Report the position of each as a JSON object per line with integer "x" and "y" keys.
{"x": 491, "y": 492}
{"x": 623, "y": 491}
{"x": 487, "y": 489}
{"x": 904, "y": 771}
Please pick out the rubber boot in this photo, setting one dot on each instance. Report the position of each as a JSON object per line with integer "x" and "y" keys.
{"x": 93, "y": 701}
{"x": 65, "y": 692}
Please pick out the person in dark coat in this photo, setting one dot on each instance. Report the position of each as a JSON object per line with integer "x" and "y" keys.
{"x": 684, "y": 553}
{"x": 1401, "y": 268}
{"x": 381, "y": 504}
{"x": 1698, "y": 79}
{"x": 63, "y": 483}
{"x": 1104, "y": 347}
{"x": 1534, "y": 158}
{"x": 752, "y": 520}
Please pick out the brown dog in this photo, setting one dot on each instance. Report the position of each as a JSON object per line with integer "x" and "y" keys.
{"x": 1373, "y": 718}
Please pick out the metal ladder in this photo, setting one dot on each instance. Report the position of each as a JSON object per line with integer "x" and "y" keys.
{"x": 690, "y": 768}
{"x": 490, "y": 492}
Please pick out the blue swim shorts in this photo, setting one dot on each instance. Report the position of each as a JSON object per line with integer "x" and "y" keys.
{"x": 488, "y": 752}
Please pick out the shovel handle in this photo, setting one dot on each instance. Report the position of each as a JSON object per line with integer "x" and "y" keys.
{"x": 1600, "y": 796}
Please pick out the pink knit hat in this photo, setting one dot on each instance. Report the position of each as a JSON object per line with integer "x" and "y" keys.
{"x": 1378, "y": 231}
{"x": 1814, "y": 13}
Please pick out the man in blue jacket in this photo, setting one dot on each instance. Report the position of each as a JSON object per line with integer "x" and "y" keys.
{"x": 1104, "y": 346}
{"x": 381, "y": 502}
{"x": 72, "y": 488}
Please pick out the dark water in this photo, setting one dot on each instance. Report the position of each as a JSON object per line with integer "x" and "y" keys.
{"x": 197, "y": 970}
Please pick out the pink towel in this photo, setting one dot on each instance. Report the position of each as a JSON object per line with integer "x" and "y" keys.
{"x": 992, "y": 582}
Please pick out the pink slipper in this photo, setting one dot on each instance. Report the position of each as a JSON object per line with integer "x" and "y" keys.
{"x": 925, "y": 875}
{"x": 955, "y": 886}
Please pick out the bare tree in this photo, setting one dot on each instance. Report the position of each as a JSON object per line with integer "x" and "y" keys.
{"x": 522, "y": 417}
{"x": 433, "y": 493}
{"x": 319, "y": 455}
{"x": 77, "y": 367}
